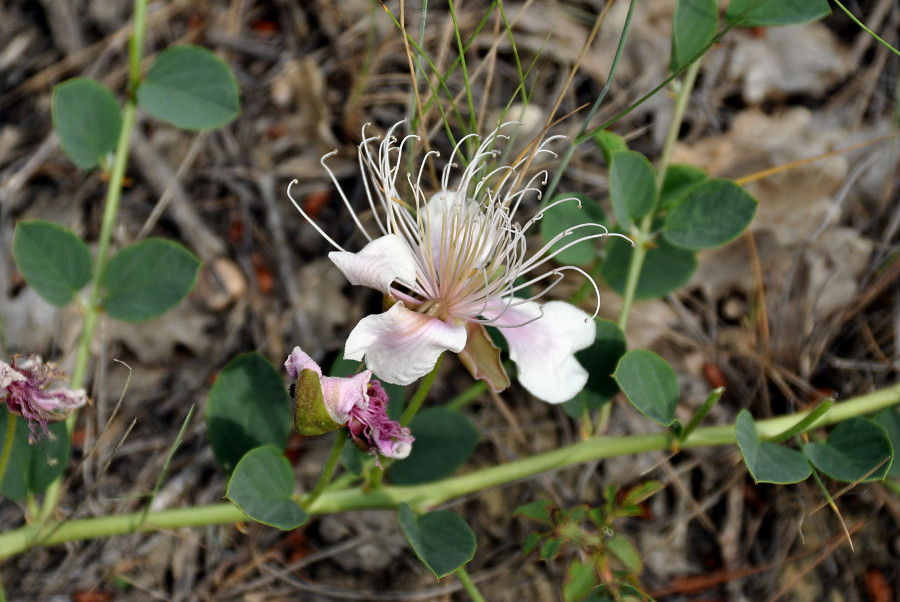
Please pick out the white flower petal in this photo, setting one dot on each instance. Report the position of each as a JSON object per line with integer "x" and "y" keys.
{"x": 544, "y": 350}
{"x": 378, "y": 264}
{"x": 401, "y": 345}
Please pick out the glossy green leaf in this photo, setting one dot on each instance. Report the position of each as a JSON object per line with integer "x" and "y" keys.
{"x": 765, "y": 13}
{"x": 32, "y": 466}
{"x": 853, "y": 449}
{"x": 666, "y": 268}
{"x": 650, "y": 384}
{"x": 600, "y": 360}
{"x": 768, "y": 462}
{"x": 680, "y": 178}
{"x": 609, "y": 143}
{"x": 693, "y": 28}
{"x": 445, "y": 439}
{"x": 147, "y": 279}
{"x": 248, "y": 407}
{"x": 191, "y": 88}
{"x": 87, "y": 119}
{"x": 54, "y": 262}
{"x": 573, "y": 216}
{"x": 441, "y": 539}
{"x": 889, "y": 420}
{"x": 262, "y": 486}
{"x": 632, "y": 186}
{"x": 713, "y": 213}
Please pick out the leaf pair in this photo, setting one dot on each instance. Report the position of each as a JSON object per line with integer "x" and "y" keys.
{"x": 142, "y": 281}
{"x": 186, "y": 86}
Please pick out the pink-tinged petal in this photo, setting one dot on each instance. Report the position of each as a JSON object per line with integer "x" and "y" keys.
{"x": 341, "y": 395}
{"x": 401, "y": 345}
{"x": 371, "y": 427}
{"x": 378, "y": 264}
{"x": 8, "y": 375}
{"x": 297, "y": 361}
{"x": 544, "y": 350}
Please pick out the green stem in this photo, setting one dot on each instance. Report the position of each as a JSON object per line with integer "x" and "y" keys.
{"x": 468, "y": 584}
{"x": 867, "y": 30}
{"x": 548, "y": 193}
{"x": 328, "y": 471}
{"x": 429, "y": 495}
{"x": 642, "y": 239}
{"x": 702, "y": 412}
{"x": 7, "y": 443}
{"x": 467, "y": 396}
{"x": 110, "y": 211}
{"x": 420, "y": 395}
{"x": 805, "y": 423}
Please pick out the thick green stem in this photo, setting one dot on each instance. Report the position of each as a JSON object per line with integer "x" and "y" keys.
{"x": 424, "y": 497}
{"x": 7, "y": 443}
{"x": 642, "y": 237}
{"x": 468, "y": 584}
{"x": 328, "y": 471}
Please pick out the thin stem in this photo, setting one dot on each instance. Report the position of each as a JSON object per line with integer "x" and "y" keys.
{"x": 548, "y": 193}
{"x": 642, "y": 238}
{"x": 867, "y": 30}
{"x": 805, "y": 423}
{"x": 468, "y": 584}
{"x": 429, "y": 495}
{"x": 110, "y": 211}
{"x": 702, "y": 412}
{"x": 7, "y": 443}
{"x": 417, "y": 400}
{"x": 467, "y": 396}
{"x": 328, "y": 471}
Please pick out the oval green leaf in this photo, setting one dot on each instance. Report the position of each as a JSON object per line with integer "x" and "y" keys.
{"x": 147, "y": 279}
{"x": 632, "y": 186}
{"x": 600, "y": 360}
{"x": 445, "y": 439}
{"x": 693, "y": 28}
{"x": 191, "y": 88}
{"x": 680, "y": 178}
{"x": 262, "y": 486}
{"x": 853, "y": 450}
{"x": 609, "y": 143}
{"x": 666, "y": 268}
{"x": 889, "y": 420}
{"x": 768, "y": 462}
{"x": 87, "y": 119}
{"x": 32, "y": 466}
{"x": 248, "y": 407}
{"x": 713, "y": 213}
{"x": 53, "y": 261}
{"x": 766, "y": 13}
{"x": 650, "y": 384}
{"x": 573, "y": 214}
{"x": 441, "y": 539}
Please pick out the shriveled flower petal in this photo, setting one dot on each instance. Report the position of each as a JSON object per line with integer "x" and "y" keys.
{"x": 297, "y": 361}
{"x": 401, "y": 345}
{"x": 25, "y": 388}
{"x": 341, "y": 395}
{"x": 357, "y": 402}
{"x": 544, "y": 349}
{"x": 378, "y": 264}
{"x": 371, "y": 423}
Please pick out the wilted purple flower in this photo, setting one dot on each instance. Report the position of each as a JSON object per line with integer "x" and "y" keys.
{"x": 25, "y": 388}
{"x": 357, "y": 402}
